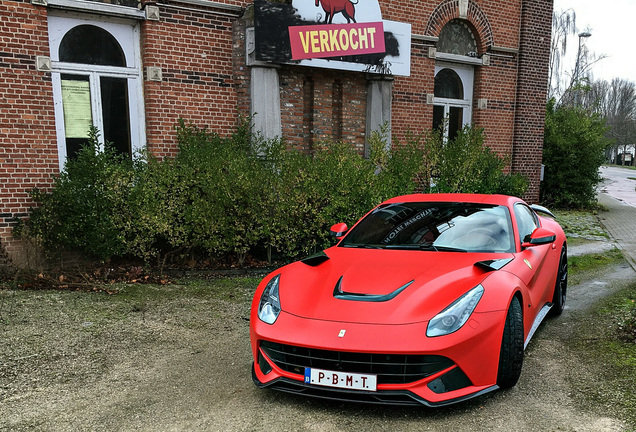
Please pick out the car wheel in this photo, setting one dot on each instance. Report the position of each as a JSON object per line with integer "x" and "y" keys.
{"x": 561, "y": 285}
{"x": 511, "y": 354}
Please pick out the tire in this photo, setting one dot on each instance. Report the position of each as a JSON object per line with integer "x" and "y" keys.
{"x": 511, "y": 354}
{"x": 561, "y": 285}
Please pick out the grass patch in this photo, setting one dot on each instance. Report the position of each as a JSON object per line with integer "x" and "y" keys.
{"x": 622, "y": 166}
{"x": 580, "y": 223}
{"x": 605, "y": 348}
{"x": 579, "y": 267}
{"x": 589, "y": 262}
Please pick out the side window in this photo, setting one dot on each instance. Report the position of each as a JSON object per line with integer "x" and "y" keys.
{"x": 526, "y": 221}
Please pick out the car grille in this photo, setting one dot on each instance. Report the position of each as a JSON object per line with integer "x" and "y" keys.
{"x": 389, "y": 368}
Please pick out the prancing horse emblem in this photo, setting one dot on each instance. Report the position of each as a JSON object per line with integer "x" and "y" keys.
{"x": 342, "y": 333}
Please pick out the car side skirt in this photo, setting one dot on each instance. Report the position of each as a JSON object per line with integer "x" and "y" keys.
{"x": 537, "y": 322}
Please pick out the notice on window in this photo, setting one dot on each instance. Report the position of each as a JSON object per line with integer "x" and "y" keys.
{"x": 76, "y": 100}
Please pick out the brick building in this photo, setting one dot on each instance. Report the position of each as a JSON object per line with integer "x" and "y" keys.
{"x": 132, "y": 69}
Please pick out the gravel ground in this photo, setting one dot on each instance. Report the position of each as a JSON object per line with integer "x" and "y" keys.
{"x": 177, "y": 358}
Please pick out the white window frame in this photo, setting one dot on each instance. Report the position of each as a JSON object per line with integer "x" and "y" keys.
{"x": 127, "y": 34}
{"x": 467, "y": 76}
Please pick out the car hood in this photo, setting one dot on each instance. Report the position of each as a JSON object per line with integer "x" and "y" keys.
{"x": 379, "y": 286}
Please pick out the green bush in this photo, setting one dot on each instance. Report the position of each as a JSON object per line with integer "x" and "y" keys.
{"x": 228, "y": 196}
{"x": 155, "y": 227}
{"x": 573, "y": 150}
{"x": 88, "y": 205}
{"x": 466, "y": 165}
{"x": 336, "y": 184}
{"x": 225, "y": 186}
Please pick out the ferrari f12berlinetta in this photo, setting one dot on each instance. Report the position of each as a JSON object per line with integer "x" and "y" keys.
{"x": 428, "y": 299}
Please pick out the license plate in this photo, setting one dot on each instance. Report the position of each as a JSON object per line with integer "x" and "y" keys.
{"x": 343, "y": 380}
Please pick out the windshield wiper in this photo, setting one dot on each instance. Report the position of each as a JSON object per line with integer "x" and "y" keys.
{"x": 426, "y": 247}
{"x": 363, "y": 246}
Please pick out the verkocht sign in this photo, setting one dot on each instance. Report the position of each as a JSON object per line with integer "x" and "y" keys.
{"x": 334, "y": 34}
{"x": 328, "y": 40}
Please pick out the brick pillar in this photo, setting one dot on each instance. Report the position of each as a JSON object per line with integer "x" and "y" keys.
{"x": 379, "y": 98}
{"x": 532, "y": 88}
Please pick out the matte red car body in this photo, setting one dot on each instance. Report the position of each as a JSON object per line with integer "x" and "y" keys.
{"x": 312, "y": 317}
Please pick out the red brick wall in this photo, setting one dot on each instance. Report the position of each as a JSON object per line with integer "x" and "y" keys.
{"x": 28, "y": 149}
{"x": 193, "y": 47}
{"x": 531, "y": 92}
{"x": 331, "y": 104}
{"x": 493, "y": 25}
{"x": 201, "y": 51}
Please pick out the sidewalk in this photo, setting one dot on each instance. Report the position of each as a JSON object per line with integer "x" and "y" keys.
{"x": 620, "y": 222}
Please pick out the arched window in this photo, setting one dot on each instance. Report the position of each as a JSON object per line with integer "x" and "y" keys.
{"x": 448, "y": 84}
{"x": 454, "y": 76}
{"x": 89, "y": 44}
{"x": 96, "y": 82}
{"x": 457, "y": 38}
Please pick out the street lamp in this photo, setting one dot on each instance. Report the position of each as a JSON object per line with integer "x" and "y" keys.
{"x": 582, "y": 35}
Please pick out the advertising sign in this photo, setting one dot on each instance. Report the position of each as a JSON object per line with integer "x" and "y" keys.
{"x": 334, "y": 34}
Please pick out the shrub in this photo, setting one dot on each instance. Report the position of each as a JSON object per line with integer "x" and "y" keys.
{"x": 223, "y": 188}
{"x": 88, "y": 205}
{"x": 466, "y": 165}
{"x": 336, "y": 184}
{"x": 227, "y": 196}
{"x": 156, "y": 228}
{"x": 573, "y": 150}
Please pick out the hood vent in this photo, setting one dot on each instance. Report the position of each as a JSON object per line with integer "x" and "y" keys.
{"x": 315, "y": 260}
{"x": 493, "y": 265}
{"x": 342, "y": 295}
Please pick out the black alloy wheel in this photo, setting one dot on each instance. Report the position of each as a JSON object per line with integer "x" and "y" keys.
{"x": 561, "y": 285}
{"x": 511, "y": 354}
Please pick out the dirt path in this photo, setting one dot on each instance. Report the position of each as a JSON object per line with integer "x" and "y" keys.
{"x": 185, "y": 366}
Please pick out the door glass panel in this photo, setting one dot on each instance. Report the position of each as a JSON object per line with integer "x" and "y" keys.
{"x": 455, "y": 121}
{"x": 438, "y": 117}
{"x": 78, "y": 118}
{"x": 115, "y": 113}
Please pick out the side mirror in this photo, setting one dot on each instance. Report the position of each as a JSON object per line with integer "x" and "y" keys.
{"x": 338, "y": 230}
{"x": 539, "y": 236}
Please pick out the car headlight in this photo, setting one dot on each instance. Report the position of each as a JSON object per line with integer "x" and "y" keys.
{"x": 455, "y": 316}
{"x": 269, "y": 308}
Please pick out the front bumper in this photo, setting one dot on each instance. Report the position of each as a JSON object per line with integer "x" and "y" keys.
{"x": 472, "y": 353}
{"x": 383, "y": 397}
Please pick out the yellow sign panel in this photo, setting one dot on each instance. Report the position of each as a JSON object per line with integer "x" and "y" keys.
{"x": 76, "y": 101}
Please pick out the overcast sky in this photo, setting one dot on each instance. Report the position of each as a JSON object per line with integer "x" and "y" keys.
{"x": 612, "y": 24}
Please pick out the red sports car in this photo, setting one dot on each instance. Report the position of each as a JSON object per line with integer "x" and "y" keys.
{"x": 429, "y": 299}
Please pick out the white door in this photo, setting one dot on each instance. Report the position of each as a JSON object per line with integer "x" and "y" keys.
{"x": 452, "y": 104}
{"x": 97, "y": 81}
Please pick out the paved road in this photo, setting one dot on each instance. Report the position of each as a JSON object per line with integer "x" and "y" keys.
{"x": 619, "y": 184}
{"x": 618, "y": 195}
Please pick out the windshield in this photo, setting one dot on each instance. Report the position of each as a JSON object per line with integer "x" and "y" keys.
{"x": 442, "y": 226}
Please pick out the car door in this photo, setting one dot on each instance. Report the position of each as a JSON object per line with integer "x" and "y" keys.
{"x": 535, "y": 258}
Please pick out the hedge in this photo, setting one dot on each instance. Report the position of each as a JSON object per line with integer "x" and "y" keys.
{"x": 228, "y": 197}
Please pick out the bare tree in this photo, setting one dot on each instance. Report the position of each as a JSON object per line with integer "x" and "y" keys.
{"x": 616, "y": 101}
{"x": 563, "y": 25}
{"x": 567, "y": 84}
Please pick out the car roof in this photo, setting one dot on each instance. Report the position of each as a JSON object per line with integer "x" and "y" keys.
{"x": 456, "y": 197}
